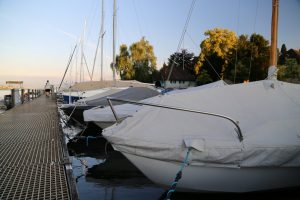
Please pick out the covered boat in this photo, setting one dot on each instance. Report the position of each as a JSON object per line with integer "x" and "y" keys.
{"x": 156, "y": 139}
{"x": 99, "y": 101}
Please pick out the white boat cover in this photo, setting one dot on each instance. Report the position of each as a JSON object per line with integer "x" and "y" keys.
{"x": 85, "y": 94}
{"x": 126, "y": 110}
{"x": 219, "y": 83}
{"x": 106, "y": 115}
{"x": 102, "y": 93}
{"x": 268, "y": 113}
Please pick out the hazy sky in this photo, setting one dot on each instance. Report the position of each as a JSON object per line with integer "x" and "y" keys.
{"x": 37, "y": 36}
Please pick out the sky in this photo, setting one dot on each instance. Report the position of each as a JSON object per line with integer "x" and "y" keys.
{"x": 37, "y": 36}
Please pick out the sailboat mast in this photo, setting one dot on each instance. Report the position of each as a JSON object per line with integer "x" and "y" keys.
{"x": 274, "y": 29}
{"x": 102, "y": 35}
{"x": 114, "y": 42}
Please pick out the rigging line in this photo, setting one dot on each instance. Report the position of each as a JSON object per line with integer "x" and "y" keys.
{"x": 236, "y": 49}
{"x": 254, "y": 29}
{"x": 69, "y": 62}
{"x": 183, "y": 33}
{"x": 84, "y": 58}
{"x": 205, "y": 57}
{"x": 138, "y": 19}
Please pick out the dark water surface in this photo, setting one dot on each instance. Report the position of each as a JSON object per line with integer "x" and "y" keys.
{"x": 103, "y": 173}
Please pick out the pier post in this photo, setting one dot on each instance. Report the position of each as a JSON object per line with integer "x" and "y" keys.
{"x": 13, "y": 98}
{"x": 31, "y": 94}
{"x": 28, "y": 95}
{"x": 22, "y": 96}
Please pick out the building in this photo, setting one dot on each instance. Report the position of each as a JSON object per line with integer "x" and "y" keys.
{"x": 180, "y": 78}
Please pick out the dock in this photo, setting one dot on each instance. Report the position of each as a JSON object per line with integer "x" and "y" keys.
{"x": 34, "y": 161}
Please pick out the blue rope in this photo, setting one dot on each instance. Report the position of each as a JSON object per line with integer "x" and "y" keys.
{"x": 178, "y": 175}
{"x": 87, "y": 139}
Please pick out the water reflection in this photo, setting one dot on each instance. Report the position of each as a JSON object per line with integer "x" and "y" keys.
{"x": 102, "y": 173}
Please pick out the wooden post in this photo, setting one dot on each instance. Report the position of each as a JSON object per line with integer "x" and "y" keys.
{"x": 274, "y": 28}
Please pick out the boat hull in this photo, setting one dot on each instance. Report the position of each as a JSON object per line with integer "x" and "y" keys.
{"x": 67, "y": 98}
{"x": 217, "y": 179}
{"x": 77, "y": 113}
{"x": 105, "y": 124}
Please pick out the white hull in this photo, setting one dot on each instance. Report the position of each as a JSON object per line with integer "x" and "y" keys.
{"x": 217, "y": 179}
{"x": 104, "y": 125}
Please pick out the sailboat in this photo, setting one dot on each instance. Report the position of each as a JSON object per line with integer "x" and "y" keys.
{"x": 238, "y": 138}
{"x": 96, "y": 91}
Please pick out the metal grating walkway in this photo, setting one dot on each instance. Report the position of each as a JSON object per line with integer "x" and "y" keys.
{"x": 33, "y": 157}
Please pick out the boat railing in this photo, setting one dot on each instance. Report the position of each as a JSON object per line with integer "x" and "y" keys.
{"x": 236, "y": 123}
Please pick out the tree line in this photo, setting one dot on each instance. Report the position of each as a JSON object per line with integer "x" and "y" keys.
{"x": 224, "y": 55}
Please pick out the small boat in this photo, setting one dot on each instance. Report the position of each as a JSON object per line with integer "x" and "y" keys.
{"x": 76, "y": 109}
{"x": 104, "y": 119}
{"x": 238, "y": 138}
{"x": 100, "y": 100}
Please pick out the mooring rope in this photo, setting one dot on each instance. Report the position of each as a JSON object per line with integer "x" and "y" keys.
{"x": 178, "y": 175}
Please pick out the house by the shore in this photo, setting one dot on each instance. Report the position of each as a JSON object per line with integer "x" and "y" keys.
{"x": 180, "y": 78}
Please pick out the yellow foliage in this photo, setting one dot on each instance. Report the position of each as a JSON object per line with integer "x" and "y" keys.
{"x": 221, "y": 42}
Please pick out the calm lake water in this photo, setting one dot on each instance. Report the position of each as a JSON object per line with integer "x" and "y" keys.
{"x": 108, "y": 176}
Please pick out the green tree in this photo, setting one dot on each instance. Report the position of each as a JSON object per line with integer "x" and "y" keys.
{"x": 290, "y": 71}
{"x": 138, "y": 63}
{"x": 183, "y": 59}
{"x": 239, "y": 65}
{"x": 252, "y": 59}
{"x": 220, "y": 45}
{"x": 260, "y": 57}
{"x": 282, "y": 55}
{"x": 203, "y": 78}
{"x": 124, "y": 64}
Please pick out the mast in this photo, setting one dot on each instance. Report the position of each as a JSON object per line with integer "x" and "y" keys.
{"x": 272, "y": 72}
{"x": 114, "y": 42}
{"x": 82, "y": 58}
{"x": 102, "y": 35}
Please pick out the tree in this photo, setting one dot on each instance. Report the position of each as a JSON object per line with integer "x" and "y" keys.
{"x": 124, "y": 64}
{"x": 252, "y": 59}
{"x": 183, "y": 59}
{"x": 260, "y": 57}
{"x": 282, "y": 55}
{"x": 290, "y": 71}
{"x": 143, "y": 59}
{"x": 138, "y": 63}
{"x": 220, "y": 44}
{"x": 203, "y": 78}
